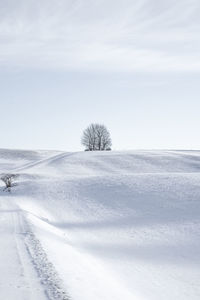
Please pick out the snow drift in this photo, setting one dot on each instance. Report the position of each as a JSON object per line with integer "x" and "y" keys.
{"x": 115, "y": 225}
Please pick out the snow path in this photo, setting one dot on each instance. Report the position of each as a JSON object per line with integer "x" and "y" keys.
{"x": 26, "y": 272}
{"x": 42, "y": 161}
{"x": 18, "y": 278}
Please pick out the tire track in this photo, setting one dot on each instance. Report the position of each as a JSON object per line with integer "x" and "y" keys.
{"x": 42, "y": 161}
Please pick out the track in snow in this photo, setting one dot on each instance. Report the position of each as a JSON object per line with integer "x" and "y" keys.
{"x": 42, "y": 161}
{"x": 26, "y": 273}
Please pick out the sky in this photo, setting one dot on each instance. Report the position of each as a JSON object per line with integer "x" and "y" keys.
{"x": 133, "y": 65}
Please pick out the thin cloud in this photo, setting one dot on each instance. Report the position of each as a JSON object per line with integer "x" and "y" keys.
{"x": 142, "y": 35}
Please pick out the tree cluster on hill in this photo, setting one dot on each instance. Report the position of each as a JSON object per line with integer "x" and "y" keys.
{"x": 96, "y": 137}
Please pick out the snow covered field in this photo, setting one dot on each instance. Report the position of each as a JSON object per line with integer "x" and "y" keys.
{"x": 101, "y": 225}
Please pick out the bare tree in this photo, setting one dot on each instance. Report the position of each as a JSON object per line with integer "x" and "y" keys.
{"x": 8, "y": 181}
{"x": 96, "y": 137}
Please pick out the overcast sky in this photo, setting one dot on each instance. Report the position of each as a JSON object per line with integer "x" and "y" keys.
{"x": 133, "y": 65}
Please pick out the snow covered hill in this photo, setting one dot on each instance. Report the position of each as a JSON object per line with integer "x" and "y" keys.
{"x": 101, "y": 225}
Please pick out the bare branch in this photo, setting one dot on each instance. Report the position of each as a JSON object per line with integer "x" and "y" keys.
{"x": 96, "y": 137}
{"x": 8, "y": 181}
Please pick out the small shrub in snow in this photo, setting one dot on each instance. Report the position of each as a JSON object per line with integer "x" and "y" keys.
{"x": 8, "y": 181}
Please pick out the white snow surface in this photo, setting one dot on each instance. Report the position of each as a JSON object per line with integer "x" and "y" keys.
{"x": 101, "y": 225}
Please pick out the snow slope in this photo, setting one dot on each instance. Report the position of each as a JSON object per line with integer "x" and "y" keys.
{"x": 109, "y": 225}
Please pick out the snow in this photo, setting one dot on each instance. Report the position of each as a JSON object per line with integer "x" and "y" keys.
{"x": 101, "y": 225}
{"x": 18, "y": 279}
